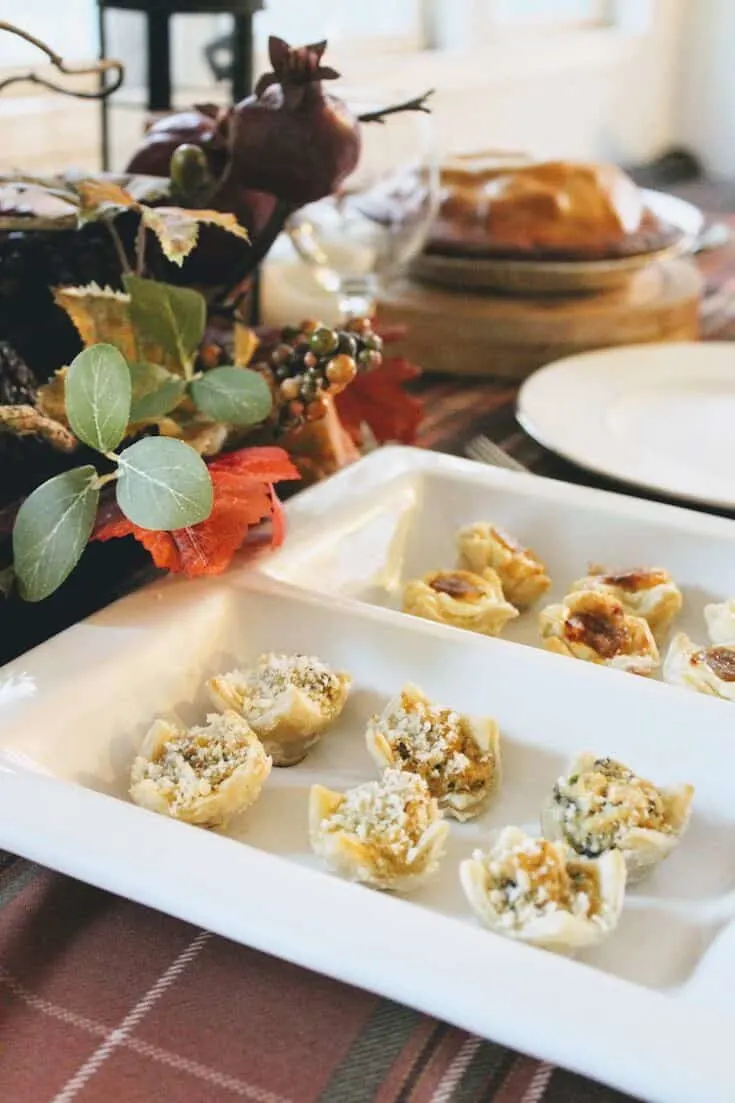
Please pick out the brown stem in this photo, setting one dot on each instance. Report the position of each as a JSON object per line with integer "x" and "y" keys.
{"x": 262, "y": 243}
{"x": 140, "y": 247}
{"x": 119, "y": 247}
{"x": 416, "y": 104}
{"x": 100, "y": 68}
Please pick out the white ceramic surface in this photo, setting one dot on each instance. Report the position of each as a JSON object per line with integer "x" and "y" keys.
{"x": 656, "y": 416}
{"x": 395, "y": 516}
{"x": 685, "y": 216}
{"x": 652, "y": 1011}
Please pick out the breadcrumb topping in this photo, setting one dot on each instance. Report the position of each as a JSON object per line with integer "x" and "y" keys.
{"x": 602, "y": 804}
{"x": 194, "y": 763}
{"x": 273, "y": 674}
{"x": 433, "y": 742}
{"x": 391, "y": 814}
{"x": 532, "y": 879}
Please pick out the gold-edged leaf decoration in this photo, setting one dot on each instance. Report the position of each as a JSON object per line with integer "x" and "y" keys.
{"x": 51, "y": 398}
{"x": 177, "y": 233}
{"x": 204, "y": 436}
{"x": 177, "y": 229}
{"x": 23, "y": 421}
{"x": 246, "y": 344}
{"x": 102, "y": 315}
{"x": 100, "y": 199}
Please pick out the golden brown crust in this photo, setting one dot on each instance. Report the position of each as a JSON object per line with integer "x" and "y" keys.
{"x": 648, "y": 592}
{"x": 593, "y": 626}
{"x": 464, "y": 599}
{"x": 555, "y": 210}
{"x": 522, "y": 574}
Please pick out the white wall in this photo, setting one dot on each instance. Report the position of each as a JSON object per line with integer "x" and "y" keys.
{"x": 705, "y": 103}
{"x": 593, "y": 93}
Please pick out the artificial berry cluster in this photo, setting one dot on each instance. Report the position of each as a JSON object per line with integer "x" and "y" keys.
{"x": 312, "y": 362}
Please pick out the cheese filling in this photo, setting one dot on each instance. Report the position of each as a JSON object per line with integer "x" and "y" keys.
{"x": 534, "y": 879}
{"x": 603, "y": 803}
{"x": 431, "y": 741}
{"x": 390, "y": 816}
{"x": 195, "y": 763}
{"x": 273, "y": 674}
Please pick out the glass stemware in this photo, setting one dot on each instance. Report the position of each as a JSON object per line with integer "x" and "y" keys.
{"x": 361, "y": 238}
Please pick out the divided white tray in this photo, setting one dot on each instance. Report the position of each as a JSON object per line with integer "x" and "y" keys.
{"x": 652, "y": 1011}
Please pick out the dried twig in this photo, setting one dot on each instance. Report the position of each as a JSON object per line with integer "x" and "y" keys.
{"x": 416, "y": 104}
{"x": 23, "y": 420}
{"x": 103, "y": 68}
{"x": 140, "y": 247}
{"x": 122, "y": 256}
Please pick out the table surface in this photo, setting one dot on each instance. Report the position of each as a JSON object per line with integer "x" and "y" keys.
{"x": 101, "y": 999}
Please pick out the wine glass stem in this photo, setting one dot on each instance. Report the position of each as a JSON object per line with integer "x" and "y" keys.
{"x": 357, "y": 297}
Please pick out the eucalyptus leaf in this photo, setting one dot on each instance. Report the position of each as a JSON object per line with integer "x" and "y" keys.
{"x": 51, "y": 531}
{"x": 236, "y": 396}
{"x": 163, "y": 484}
{"x": 155, "y": 391}
{"x": 174, "y": 317}
{"x": 97, "y": 392}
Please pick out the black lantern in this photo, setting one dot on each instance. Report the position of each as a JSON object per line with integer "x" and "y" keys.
{"x": 230, "y": 57}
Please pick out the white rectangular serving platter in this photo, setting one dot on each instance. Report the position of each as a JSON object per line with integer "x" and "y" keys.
{"x": 651, "y": 1011}
{"x": 394, "y": 517}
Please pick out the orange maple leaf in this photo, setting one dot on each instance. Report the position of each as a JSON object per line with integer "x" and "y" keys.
{"x": 376, "y": 398}
{"x": 243, "y": 498}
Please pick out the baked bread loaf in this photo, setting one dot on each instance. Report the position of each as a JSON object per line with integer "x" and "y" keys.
{"x": 513, "y": 207}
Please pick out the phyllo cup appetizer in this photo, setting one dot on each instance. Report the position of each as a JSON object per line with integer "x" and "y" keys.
{"x": 648, "y": 592}
{"x": 203, "y": 775}
{"x": 720, "y": 620}
{"x": 522, "y": 574}
{"x": 594, "y": 627}
{"x": 457, "y": 756}
{"x": 389, "y": 833}
{"x": 288, "y": 701}
{"x": 600, "y": 805}
{"x": 709, "y": 670}
{"x": 463, "y": 599}
{"x": 540, "y": 892}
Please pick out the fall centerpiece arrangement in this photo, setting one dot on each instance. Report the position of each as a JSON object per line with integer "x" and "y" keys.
{"x": 134, "y": 399}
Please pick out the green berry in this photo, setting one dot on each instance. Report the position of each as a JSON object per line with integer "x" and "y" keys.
{"x": 323, "y": 341}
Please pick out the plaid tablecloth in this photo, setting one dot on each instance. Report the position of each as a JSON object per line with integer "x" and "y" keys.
{"x": 104, "y": 1001}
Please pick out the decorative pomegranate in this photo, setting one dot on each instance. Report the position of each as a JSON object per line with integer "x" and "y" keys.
{"x": 290, "y": 139}
{"x": 287, "y": 145}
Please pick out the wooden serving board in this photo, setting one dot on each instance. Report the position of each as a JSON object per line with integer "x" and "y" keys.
{"x": 467, "y": 333}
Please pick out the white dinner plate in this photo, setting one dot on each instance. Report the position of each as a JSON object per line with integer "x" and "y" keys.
{"x": 651, "y": 1011}
{"x": 656, "y": 416}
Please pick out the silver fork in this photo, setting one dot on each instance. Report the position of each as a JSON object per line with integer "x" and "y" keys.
{"x": 483, "y": 450}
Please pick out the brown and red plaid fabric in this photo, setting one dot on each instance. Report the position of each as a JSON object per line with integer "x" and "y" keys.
{"x": 105, "y": 1001}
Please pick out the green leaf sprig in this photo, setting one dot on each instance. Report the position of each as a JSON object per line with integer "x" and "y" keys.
{"x": 160, "y": 483}
{"x": 175, "y": 319}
